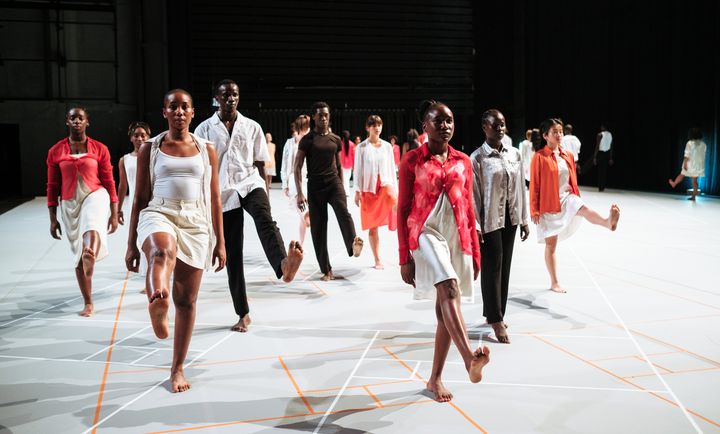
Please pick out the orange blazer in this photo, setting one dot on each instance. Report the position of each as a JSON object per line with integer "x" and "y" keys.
{"x": 544, "y": 183}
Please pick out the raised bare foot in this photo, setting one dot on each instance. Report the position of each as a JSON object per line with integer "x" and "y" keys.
{"x": 242, "y": 325}
{"x": 500, "y": 332}
{"x": 328, "y": 276}
{"x": 614, "y": 216}
{"x": 158, "y": 309}
{"x": 357, "y": 246}
{"x": 505, "y": 325}
{"x": 291, "y": 264}
{"x": 672, "y": 183}
{"x": 87, "y": 310}
{"x": 88, "y": 261}
{"x": 437, "y": 387}
{"x": 480, "y": 359}
{"x": 555, "y": 287}
{"x": 178, "y": 382}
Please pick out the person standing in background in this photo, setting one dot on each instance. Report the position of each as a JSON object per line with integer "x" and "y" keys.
{"x": 571, "y": 143}
{"x": 347, "y": 159}
{"x": 270, "y": 170}
{"x": 602, "y": 158}
{"x": 693, "y": 165}
{"x": 300, "y": 127}
{"x": 526, "y": 152}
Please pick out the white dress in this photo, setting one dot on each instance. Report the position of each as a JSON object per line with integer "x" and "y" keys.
{"x": 695, "y": 153}
{"x": 566, "y": 222}
{"x": 439, "y": 255}
{"x": 86, "y": 211}
{"x": 130, "y": 162}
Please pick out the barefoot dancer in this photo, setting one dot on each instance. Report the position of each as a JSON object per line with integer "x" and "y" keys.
{"x": 500, "y": 206}
{"x": 300, "y": 127}
{"x": 242, "y": 153}
{"x": 139, "y": 132}
{"x": 375, "y": 185}
{"x": 80, "y": 174}
{"x": 439, "y": 252}
{"x": 693, "y": 161}
{"x": 555, "y": 204}
{"x": 177, "y": 222}
{"x": 325, "y": 187}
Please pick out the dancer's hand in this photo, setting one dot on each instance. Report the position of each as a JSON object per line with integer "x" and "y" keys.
{"x": 219, "y": 255}
{"x": 476, "y": 271}
{"x": 301, "y": 201}
{"x": 480, "y": 238}
{"x": 112, "y": 223}
{"x": 286, "y": 191}
{"x": 524, "y": 232}
{"x": 357, "y": 198}
{"x": 535, "y": 219}
{"x": 55, "y": 229}
{"x": 121, "y": 218}
{"x": 407, "y": 271}
{"x": 132, "y": 258}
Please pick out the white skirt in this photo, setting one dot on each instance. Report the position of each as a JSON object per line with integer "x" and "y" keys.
{"x": 86, "y": 211}
{"x": 564, "y": 223}
{"x": 185, "y": 221}
{"x": 439, "y": 255}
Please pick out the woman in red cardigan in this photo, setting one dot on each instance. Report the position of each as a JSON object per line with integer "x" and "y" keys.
{"x": 555, "y": 204}
{"x": 439, "y": 250}
{"x": 80, "y": 176}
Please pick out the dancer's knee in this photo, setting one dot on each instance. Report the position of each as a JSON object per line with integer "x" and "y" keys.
{"x": 448, "y": 289}
{"x": 162, "y": 255}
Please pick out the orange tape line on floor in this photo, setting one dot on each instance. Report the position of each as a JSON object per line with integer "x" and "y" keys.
{"x": 297, "y": 388}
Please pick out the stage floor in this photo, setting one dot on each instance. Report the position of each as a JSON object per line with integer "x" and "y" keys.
{"x": 633, "y": 347}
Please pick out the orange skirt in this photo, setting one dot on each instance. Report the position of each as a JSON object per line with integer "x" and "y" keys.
{"x": 379, "y": 208}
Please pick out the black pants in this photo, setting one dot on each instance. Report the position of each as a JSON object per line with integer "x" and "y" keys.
{"x": 256, "y": 204}
{"x": 495, "y": 260}
{"x": 603, "y": 160}
{"x": 321, "y": 193}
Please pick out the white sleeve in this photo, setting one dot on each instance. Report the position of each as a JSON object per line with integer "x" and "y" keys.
{"x": 687, "y": 150}
{"x": 201, "y": 131}
{"x": 357, "y": 168}
{"x": 284, "y": 172}
{"x": 260, "y": 149}
{"x": 390, "y": 169}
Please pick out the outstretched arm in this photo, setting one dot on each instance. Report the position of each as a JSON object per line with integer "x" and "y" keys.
{"x": 216, "y": 204}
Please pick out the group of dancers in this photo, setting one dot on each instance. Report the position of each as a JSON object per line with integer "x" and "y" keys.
{"x": 455, "y": 215}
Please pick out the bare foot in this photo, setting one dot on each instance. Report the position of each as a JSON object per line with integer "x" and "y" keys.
{"x": 158, "y": 309}
{"x": 242, "y": 325}
{"x": 357, "y": 246}
{"x": 500, "y": 332}
{"x": 557, "y": 288}
{"x": 379, "y": 265}
{"x": 88, "y": 261}
{"x": 672, "y": 183}
{"x": 482, "y": 358}
{"x": 328, "y": 276}
{"x": 178, "y": 381}
{"x": 291, "y": 264}
{"x": 437, "y": 387}
{"x": 505, "y": 325}
{"x": 614, "y": 216}
{"x": 87, "y": 311}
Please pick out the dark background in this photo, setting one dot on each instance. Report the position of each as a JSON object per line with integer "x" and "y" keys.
{"x": 649, "y": 71}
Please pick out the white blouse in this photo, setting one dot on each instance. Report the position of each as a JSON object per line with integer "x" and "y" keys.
{"x": 695, "y": 153}
{"x": 372, "y": 162}
{"x": 287, "y": 169}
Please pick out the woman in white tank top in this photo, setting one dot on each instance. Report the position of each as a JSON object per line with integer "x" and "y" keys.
{"x": 177, "y": 223}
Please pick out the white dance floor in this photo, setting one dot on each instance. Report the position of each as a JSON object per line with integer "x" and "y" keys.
{"x": 633, "y": 347}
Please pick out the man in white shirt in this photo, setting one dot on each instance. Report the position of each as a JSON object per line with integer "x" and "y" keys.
{"x": 570, "y": 142}
{"x": 602, "y": 157}
{"x": 526, "y": 152}
{"x": 242, "y": 151}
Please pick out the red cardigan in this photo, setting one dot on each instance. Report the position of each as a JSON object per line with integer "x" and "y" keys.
{"x": 62, "y": 171}
{"x": 422, "y": 180}
{"x": 544, "y": 183}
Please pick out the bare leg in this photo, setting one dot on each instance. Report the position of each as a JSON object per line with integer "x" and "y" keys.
{"x": 85, "y": 284}
{"x": 695, "y": 187}
{"x": 449, "y": 300}
{"x": 442, "y": 345}
{"x": 593, "y": 217}
{"x": 86, "y": 268}
{"x": 551, "y": 263}
{"x": 185, "y": 291}
{"x": 678, "y": 179}
{"x": 291, "y": 263}
{"x": 304, "y": 223}
{"x": 375, "y": 247}
{"x": 159, "y": 248}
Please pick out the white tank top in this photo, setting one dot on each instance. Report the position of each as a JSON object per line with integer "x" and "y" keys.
{"x": 130, "y": 162}
{"x": 605, "y": 141}
{"x": 178, "y": 177}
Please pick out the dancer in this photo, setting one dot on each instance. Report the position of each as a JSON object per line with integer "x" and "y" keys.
{"x": 571, "y": 143}
{"x": 438, "y": 246}
{"x": 412, "y": 141}
{"x": 270, "y": 169}
{"x": 79, "y": 173}
{"x": 375, "y": 185}
{"x": 300, "y": 127}
{"x": 693, "y": 165}
{"x": 526, "y": 152}
{"x": 241, "y": 150}
{"x": 555, "y": 204}
{"x": 396, "y": 150}
{"x": 500, "y": 206}
{"x": 325, "y": 187}
{"x": 347, "y": 158}
{"x": 177, "y": 223}
{"x": 602, "y": 158}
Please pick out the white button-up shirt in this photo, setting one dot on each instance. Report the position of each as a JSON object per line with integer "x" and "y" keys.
{"x": 371, "y": 163}
{"x": 237, "y": 151}
{"x": 571, "y": 143}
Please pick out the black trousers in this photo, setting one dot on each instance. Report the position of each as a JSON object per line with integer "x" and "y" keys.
{"x": 495, "y": 259}
{"x": 321, "y": 193}
{"x": 256, "y": 204}
{"x": 603, "y": 161}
